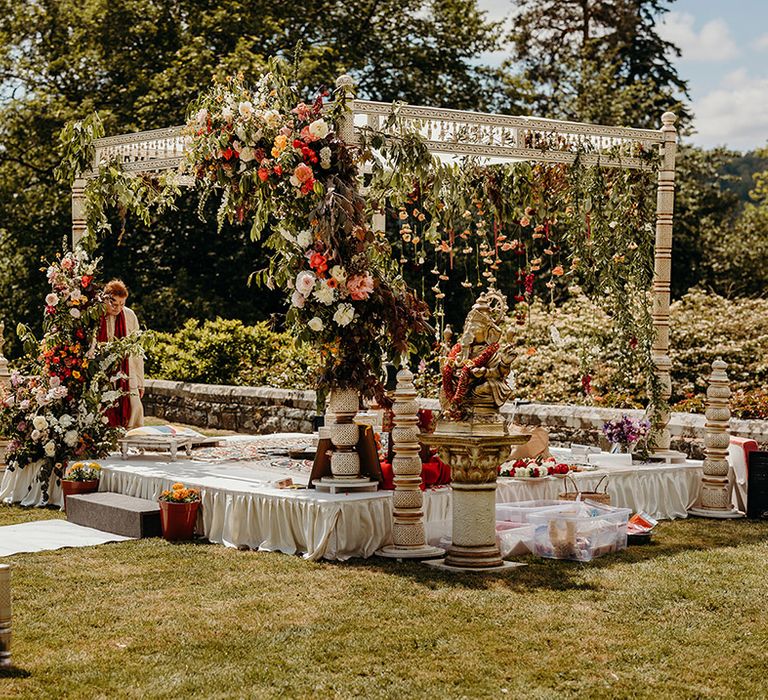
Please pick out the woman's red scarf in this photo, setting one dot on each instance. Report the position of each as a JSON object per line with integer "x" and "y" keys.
{"x": 120, "y": 412}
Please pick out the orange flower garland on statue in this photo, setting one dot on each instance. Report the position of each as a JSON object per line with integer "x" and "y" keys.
{"x": 455, "y": 395}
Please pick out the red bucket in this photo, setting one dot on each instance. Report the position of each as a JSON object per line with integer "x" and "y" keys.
{"x": 178, "y": 519}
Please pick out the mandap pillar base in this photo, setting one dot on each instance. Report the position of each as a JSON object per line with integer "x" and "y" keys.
{"x": 426, "y": 551}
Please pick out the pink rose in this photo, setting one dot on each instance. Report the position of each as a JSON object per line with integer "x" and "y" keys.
{"x": 360, "y": 286}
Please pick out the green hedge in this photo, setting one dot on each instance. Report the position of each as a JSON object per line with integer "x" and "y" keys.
{"x": 225, "y": 351}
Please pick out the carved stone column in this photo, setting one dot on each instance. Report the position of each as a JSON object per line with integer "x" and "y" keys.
{"x": 665, "y": 205}
{"x": 5, "y": 616}
{"x": 715, "y": 491}
{"x": 474, "y": 461}
{"x": 408, "y": 539}
{"x": 78, "y": 210}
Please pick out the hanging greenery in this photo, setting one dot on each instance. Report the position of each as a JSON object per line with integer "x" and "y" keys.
{"x": 281, "y": 167}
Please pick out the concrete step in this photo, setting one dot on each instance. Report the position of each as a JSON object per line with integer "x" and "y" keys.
{"x": 115, "y": 512}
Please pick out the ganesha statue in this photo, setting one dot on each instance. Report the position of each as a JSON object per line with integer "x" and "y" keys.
{"x": 475, "y": 370}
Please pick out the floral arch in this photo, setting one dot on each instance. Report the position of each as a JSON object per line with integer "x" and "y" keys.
{"x": 408, "y": 136}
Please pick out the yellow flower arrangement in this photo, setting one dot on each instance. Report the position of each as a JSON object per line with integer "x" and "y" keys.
{"x": 178, "y": 493}
{"x": 82, "y": 471}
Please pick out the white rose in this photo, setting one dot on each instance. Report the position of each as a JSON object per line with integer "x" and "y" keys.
{"x": 245, "y": 109}
{"x": 54, "y": 382}
{"x": 40, "y": 423}
{"x": 74, "y": 312}
{"x": 202, "y": 116}
{"x": 304, "y": 239}
{"x": 50, "y": 448}
{"x": 316, "y": 324}
{"x": 76, "y": 294}
{"x": 298, "y": 300}
{"x": 36, "y": 434}
{"x": 66, "y": 420}
{"x": 52, "y": 299}
{"x": 305, "y": 282}
{"x": 319, "y": 129}
{"x": 272, "y": 117}
{"x": 339, "y": 274}
{"x": 24, "y": 405}
{"x": 247, "y": 154}
{"x": 70, "y": 438}
{"x": 227, "y": 113}
{"x": 325, "y": 294}
{"x": 344, "y": 314}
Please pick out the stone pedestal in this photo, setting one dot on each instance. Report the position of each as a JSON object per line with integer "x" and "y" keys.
{"x": 5, "y": 616}
{"x": 474, "y": 457}
{"x": 715, "y": 490}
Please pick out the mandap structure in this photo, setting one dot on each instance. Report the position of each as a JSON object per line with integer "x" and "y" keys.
{"x": 495, "y": 138}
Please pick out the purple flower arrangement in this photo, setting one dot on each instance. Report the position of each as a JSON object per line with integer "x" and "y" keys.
{"x": 626, "y": 431}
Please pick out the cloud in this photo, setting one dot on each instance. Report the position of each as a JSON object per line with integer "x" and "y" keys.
{"x": 761, "y": 43}
{"x": 712, "y": 43}
{"x": 735, "y": 113}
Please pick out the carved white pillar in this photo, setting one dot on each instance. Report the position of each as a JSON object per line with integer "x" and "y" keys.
{"x": 665, "y": 204}
{"x": 715, "y": 491}
{"x": 5, "y": 616}
{"x": 345, "y": 127}
{"x": 409, "y": 541}
{"x": 78, "y": 210}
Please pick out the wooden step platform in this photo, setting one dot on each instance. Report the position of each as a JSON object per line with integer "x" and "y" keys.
{"x": 114, "y": 512}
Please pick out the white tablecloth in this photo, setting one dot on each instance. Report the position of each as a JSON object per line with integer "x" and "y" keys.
{"x": 665, "y": 491}
{"x": 238, "y": 508}
{"x": 22, "y": 486}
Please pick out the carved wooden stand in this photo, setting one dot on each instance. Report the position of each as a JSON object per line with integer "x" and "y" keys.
{"x": 474, "y": 460}
{"x": 408, "y": 540}
{"x": 5, "y": 616}
{"x": 715, "y": 491}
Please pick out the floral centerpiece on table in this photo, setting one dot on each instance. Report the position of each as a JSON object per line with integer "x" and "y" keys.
{"x": 82, "y": 471}
{"x": 626, "y": 432}
{"x": 284, "y": 166}
{"x": 535, "y": 467}
{"x": 178, "y": 493}
{"x": 55, "y": 411}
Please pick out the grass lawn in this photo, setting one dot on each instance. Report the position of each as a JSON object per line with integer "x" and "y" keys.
{"x": 684, "y": 617}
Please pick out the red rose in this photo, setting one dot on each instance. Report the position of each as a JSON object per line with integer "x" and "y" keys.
{"x": 318, "y": 262}
{"x": 263, "y": 174}
{"x": 85, "y": 280}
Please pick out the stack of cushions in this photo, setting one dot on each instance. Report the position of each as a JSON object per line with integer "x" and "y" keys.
{"x": 164, "y": 431}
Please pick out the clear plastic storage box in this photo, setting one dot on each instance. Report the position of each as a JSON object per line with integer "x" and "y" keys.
{"x": 580, "y": 530}
{"x": 520, "y": 512}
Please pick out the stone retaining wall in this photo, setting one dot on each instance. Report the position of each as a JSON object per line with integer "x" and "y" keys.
{"x": 261, "y": 410}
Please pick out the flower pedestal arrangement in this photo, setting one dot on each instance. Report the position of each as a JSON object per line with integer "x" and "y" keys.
{"x": 81, "y": 477}
{"x": 343, "y": 405}
{"x": 178, "y": 512}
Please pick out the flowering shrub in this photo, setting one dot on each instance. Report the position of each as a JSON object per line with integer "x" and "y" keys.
{"x": 82, "y": 471}
{"x": 178, "y": 493}
{"x": 626, "y": 431}
{"x": 57, "y": 411}
{"x": 276, "y": 156}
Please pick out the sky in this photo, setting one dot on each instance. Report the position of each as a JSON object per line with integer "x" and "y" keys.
{"x": 724, "y": 45}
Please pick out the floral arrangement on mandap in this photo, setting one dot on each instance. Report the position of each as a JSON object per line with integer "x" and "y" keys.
{"x": 284, "y": 165}
{"x": 626, "y": 431}
{"x": 82, "y": 471}
{"x": 535, "y": 467}
{"x": 56, "y": 410}
{"x": 178, "y": 493}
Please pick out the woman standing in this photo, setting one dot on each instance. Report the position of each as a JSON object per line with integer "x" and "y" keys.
{"x": 120, "y": 322}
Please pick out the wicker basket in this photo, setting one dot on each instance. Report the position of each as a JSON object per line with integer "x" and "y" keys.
{"x": 576, "y": 495}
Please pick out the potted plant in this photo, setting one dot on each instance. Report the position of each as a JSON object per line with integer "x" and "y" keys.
{"x": 625, "y": 433}
{"x": 178, "y": 512}
{"x": 80, "y": 477}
